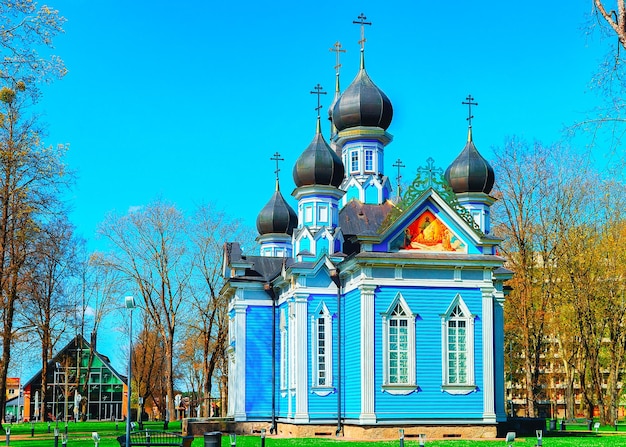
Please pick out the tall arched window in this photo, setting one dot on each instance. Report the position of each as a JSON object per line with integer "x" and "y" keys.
{"x": 322, "y": 350}
{"x": 457, "y": 327}
{"x": 398, "y": 324}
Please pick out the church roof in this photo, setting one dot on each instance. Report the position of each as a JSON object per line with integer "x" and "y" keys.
{"x": 263, "y": 268}
{"x": 357, "y": 218}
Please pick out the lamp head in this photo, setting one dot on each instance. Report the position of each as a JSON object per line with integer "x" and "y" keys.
{"x": 129, "y": 301}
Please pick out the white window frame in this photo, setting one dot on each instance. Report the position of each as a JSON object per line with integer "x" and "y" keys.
{"x": 308, "y": 214}
{"x": 354, "y": 159}
{"x": 322, "y": 214}
{"x": 399, "y": 311}
{"x": 369, "y": 159}
{"x": 458, "y": 312}
{"x": 322, "y": 313}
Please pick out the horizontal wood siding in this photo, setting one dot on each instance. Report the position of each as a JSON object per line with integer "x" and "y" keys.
{"x": 351, "y": 343}
{"x": 259, "y": 361}
{"x": 429, "y": 402}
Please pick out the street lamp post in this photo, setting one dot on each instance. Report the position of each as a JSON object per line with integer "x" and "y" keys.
{"x": 130, "y": 305}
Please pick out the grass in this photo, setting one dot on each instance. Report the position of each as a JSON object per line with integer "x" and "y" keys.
{"x": 79, "y": 435}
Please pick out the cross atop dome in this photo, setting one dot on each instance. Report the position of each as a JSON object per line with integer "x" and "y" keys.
{"x": 318, "y": 91}
{"x": 469, "y": 103}
{"x": 276, "y": 157}
{"x": 337, "y": 49}
{"x": 362, "y": 22}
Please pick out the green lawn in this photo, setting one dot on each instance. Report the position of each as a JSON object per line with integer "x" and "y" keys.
{"x": 79, "y": 434}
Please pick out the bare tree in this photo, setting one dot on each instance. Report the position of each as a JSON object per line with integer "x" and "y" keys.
{"x": 150, "y": 248}
{"x": 537, "y": 196}
{"x": 25, "y": 28}
{"x": 616, "y": 20}
{"x": 31, "y": 179}
{"x": 47, "y": 304}
{"x": 594, "y": 284}
{"x": 211, "y": 227}
{"x": 149, "y": 362}
{"x": 29, "y": 173}
{"x": 100, "y": 288}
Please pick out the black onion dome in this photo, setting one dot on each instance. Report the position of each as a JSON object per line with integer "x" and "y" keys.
{"x": 277, "y": 216}
{"x": 362, "y": 104}
{"x": 318, "y": 164}
{"x": 470, "y": 172}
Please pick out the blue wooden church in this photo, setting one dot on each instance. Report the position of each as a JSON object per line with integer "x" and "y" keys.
{"x": 362, "y": 314}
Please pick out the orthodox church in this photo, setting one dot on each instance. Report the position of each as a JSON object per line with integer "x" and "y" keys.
{"x": 361, "y": 313}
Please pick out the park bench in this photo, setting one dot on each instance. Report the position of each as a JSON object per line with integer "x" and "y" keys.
{"x": 155, "y": 438}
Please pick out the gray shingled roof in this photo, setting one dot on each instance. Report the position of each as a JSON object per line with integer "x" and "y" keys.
{"x": 359, "y": 219}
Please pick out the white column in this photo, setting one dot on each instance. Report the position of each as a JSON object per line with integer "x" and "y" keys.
{"x": 368, "y": 415}
{"x": 489, "y": 412}
{"x": 240, "y": 361}
{"x": 301, "y": 361}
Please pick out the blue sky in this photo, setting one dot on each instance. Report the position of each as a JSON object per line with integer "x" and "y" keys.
{"x": 187, "y": 101}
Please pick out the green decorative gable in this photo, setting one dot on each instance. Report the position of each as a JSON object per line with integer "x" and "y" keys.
{"x": 429, "y": 177}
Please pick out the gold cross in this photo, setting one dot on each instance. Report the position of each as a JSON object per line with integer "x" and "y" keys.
{"x": 337, "y": 49}
{"x": 362, "y": 22}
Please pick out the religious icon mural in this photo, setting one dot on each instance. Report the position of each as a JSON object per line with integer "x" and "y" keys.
{"x": 430, "y": 234}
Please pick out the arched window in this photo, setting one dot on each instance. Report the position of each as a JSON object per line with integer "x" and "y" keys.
{"x": 322, "y": 350}
{"x": 457, "y": 330}
{"x": 398, "y": 324}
